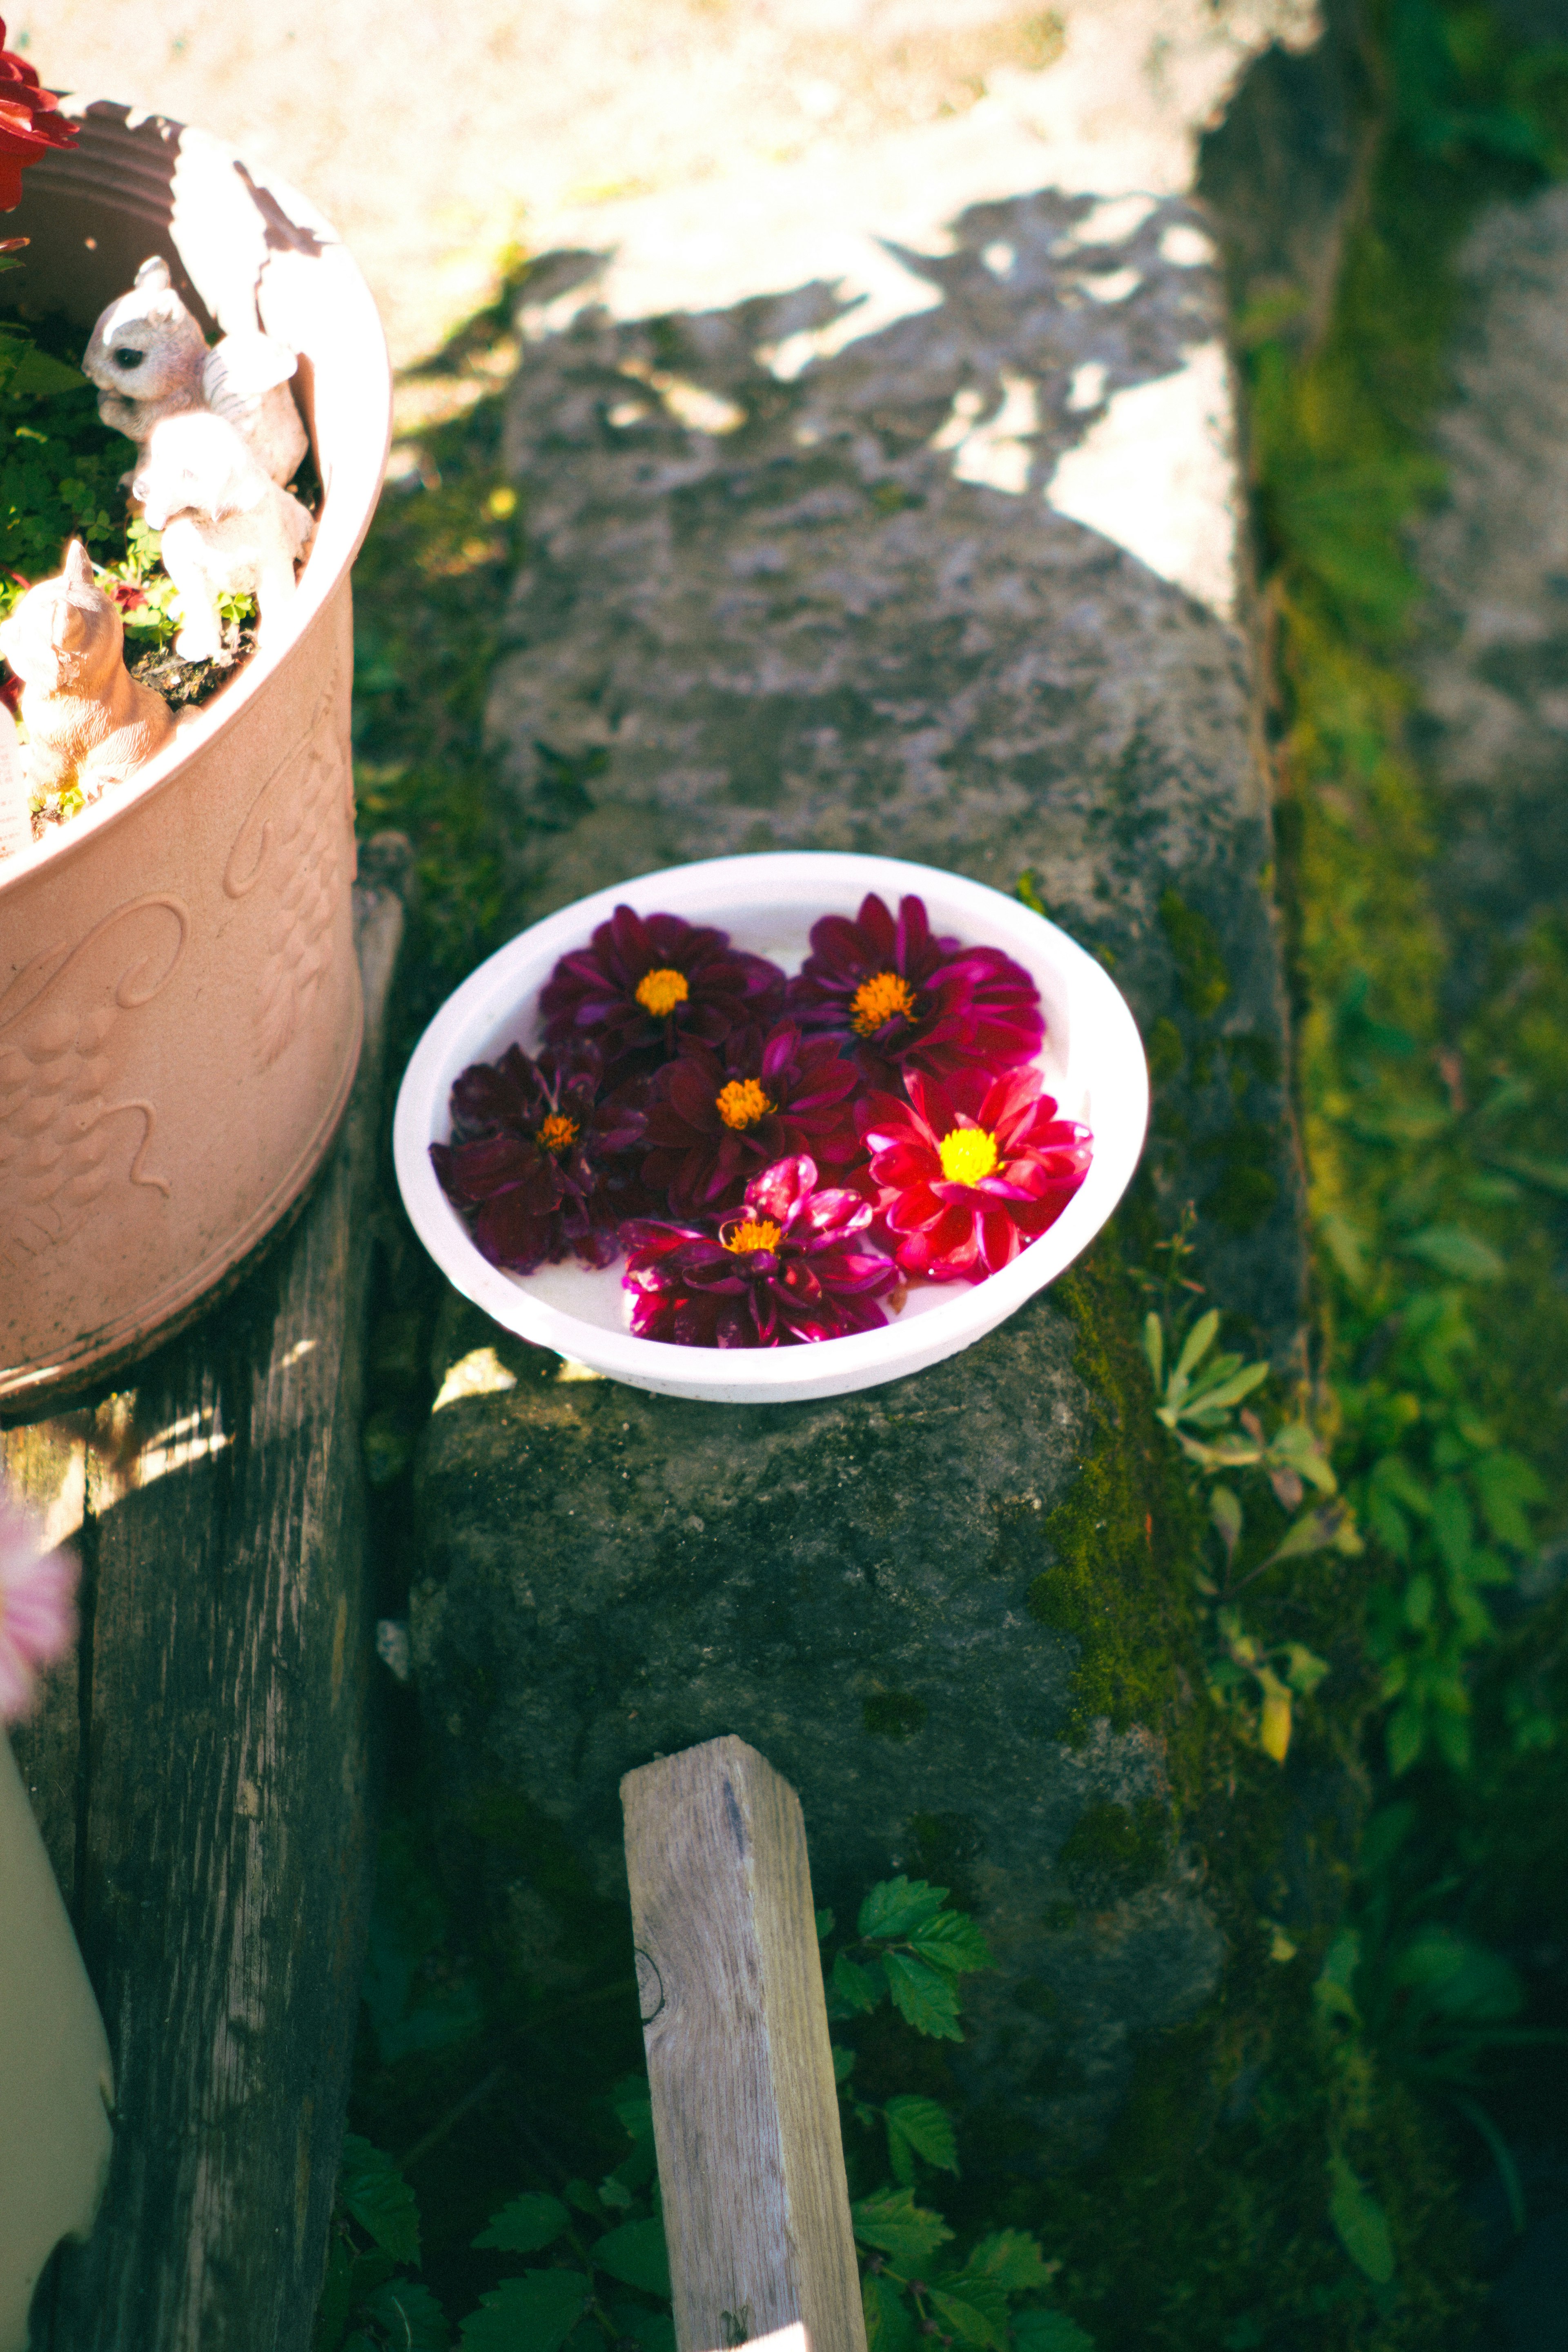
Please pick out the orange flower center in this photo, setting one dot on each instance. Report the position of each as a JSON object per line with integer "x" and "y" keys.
{"x": 883, "y": 997}
{"x": 558, "y": 1133}
{"x": 967, "y": 1155}
{"x": 660, "y": 991}
{"x": 751, "y": 1234}
{"x": 741, "y": 1104}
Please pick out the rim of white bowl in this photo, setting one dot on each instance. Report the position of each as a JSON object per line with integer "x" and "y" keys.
{"x": 498, "y": 999}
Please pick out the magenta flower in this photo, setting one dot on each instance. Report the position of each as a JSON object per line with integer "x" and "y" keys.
{"x": 524, "y": 1168}
{"x": 900, "y": 999}
{"x": 790, "y": 1266}
{"x": 648, "y": 986}
{"x": 970, "y": 1170}
{"x": 37, "y": 1621}
{"x": 719, "y": 1116}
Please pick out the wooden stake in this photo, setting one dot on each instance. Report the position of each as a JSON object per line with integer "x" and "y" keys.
{"x": 745, "y": 2114}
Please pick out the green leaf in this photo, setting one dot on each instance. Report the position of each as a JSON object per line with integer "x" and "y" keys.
{"x": 843, "y": 2062}
{"x": 953, "y": 1942}
{"x": 923, "y": 1996}
{"x": 1346, "y": 1245}
{"x": 1458, "y": 1978}
{"x": 1360, "y": 2223}
{"x": 615, "y": 2194}
{"x": 894, "y": 1908}
{"x": 1198, "y": 1341}
{"x": 858, "y": 1988}
{"x": 967, "y": 2320}
{"x": 892, "y": 2223}
{"x": 410, "y": 2318}
{"x": 825, "y": 1925}
{"x": 633, "y": 2107}
{"x": 1552, "y": 1175}
{"x": 924, "y": 2127}
{"x": 1333, "y": 1992}
{"x": 1049, "y": 2331}
{"x": 1506, "y": 1484}
{"x": 889, "y": 2322}
{"x": 1314, "y": 1531}
{"x": 1222, "y": 1394}
{"x": 529, "y": 2223}
{"x": 1013, "y": 2260}
{"x": 36, "y": 374}
{"x": 654, "y": 2330}
{"x": 1407, "y": 1737}
{"x": 1154, "y": 1348}
{"x": 634, "y": 2254}
{"x": 535, "y": 2312}
{"x": 373, "y": 2190}
{"x": 1454, "y": 1249}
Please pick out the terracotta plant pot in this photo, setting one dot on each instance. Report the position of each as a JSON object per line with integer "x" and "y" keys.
{"x": 179, "y": 997}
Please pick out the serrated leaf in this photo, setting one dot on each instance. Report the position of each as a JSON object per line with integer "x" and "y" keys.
{"x": 410, "y": 2318}
{"x": 894, "y": 1908}
{"x": 966, "y": 2317}
{"x": 927, "y": 2128}
{"x": 535, "y": 2312}
{"x": 373, "y": 2190}
{"x": 923, "y": 1997}
{"x": 892, "y": 2223}
{"x": 1360, "y": 2223}
{"x": 529, "y": 2223}
{"x": 634, "y": 2254}
{"x": 859, "y": 1989}
{"x": 953, "y": 1942}
{"x": 1049, "y": 2331}
{"x": 1013, "y": 2260}
{"x": 889, "y": 2322}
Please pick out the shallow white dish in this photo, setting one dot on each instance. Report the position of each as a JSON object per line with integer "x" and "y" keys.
{"x": 1093, "y": 1062}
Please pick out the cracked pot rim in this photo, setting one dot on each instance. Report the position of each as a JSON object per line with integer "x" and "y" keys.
{"x": 1093, "y": 1061}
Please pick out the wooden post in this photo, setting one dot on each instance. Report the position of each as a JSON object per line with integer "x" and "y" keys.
{"x": 200, "y": 1770}
{"x": 745, "y": 2112}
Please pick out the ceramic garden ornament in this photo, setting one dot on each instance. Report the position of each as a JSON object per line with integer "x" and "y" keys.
{"x": 227, "y": 526}
{"x": 151, "y": 361}
{"x": 89, "y": 724}
{"x": 16, "y": 814}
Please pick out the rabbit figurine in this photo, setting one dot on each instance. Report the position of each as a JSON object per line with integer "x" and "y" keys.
{"x": 227, "y": 526}
{"x": 150, "y": 360}
{"x": 89, "y": 723}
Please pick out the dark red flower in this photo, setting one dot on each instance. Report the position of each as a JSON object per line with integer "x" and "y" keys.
{"x": 720, "y": 1115}
{"x": 789, "y": 1266}
{"x": 648, "y": 986}
{"x": 521, "y": 1168}
{"x": 970, "y": 1170}
{"x": 898, "y": 998}
{"x": 29, "y": 125}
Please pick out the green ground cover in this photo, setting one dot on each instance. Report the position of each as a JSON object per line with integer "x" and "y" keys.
{"x": 1290, "y": 2167}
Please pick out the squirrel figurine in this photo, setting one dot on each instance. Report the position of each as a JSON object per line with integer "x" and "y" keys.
{"x": 227, "y": 526}
{"x": 151, "y": 360}
{"x": 89, "y": 723}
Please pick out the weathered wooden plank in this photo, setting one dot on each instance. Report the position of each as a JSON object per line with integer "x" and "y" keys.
{"x": 756, "y": 2207}
{"x": 213, "y": 1832}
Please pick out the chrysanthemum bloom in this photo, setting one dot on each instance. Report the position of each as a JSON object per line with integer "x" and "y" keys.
{"x": 791, "y": 1265}
{"x": 29, "y": 125}
{"x": 648, "y": 986}
{"x": 899, "y": 998}
{"x": 970, "y": 1170}
{"x": 37, "y": 1621}
{"x": 520, "y": 1165}
{"x": 720, "y": 1116}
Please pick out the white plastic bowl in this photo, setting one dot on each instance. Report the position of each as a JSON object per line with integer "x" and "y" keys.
{"x": 1093, "y": 1062}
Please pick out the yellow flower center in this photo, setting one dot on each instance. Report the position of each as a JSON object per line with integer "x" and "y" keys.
{"x": 660, "y": 991}
{"x": 558, "y": 1133}
{"x": 751, "y": 1234}
{"x": 883, "y": 997}
{"x": 741, "y": 1104}
{"x": 967, "y": 1155}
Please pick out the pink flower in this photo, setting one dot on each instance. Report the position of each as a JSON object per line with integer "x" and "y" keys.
{"x": 720, "y": 1116}
{"x": 970, "y": 1170}
{"x": 648, "y": 986}
{"x": 37, "y": 1621}
{"x": 898, "y": 998}
{"x": 788, "y": 1265}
